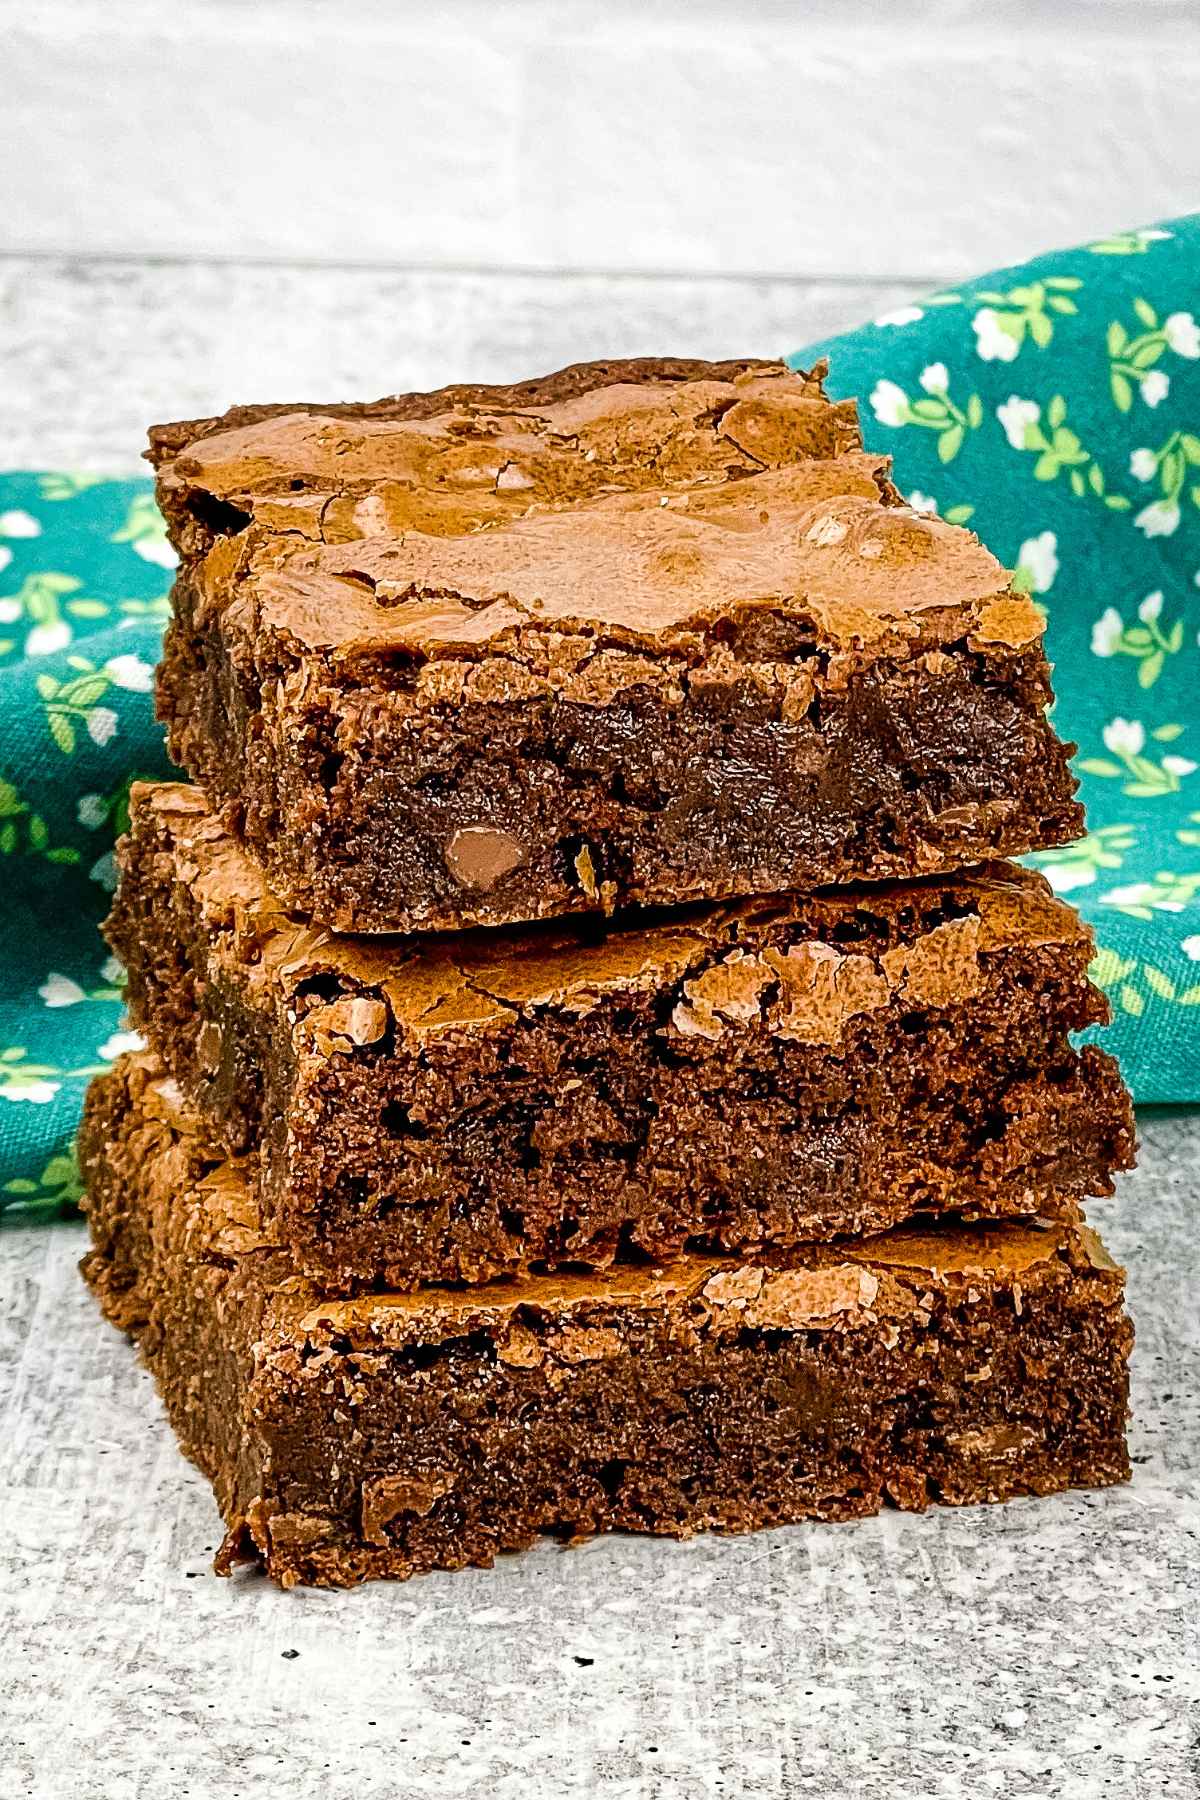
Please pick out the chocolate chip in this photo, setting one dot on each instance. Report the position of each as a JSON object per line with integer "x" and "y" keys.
{"x": 479, "y": 856}
{"x": 208, "y": 1047}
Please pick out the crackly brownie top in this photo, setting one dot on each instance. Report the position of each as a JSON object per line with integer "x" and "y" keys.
{"x": 875, "y": 1283}
{"x": 769, "y": 570}
{"x": 802, "y": 966}
{"x": 723, "y": 514}
{"x": 465, "y": 457}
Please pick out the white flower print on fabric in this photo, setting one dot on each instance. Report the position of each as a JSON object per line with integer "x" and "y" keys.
{"x": 16, "y": 523}
{"x": 156, "y": 550}
{"x": 1124, "y": 737}
{"x": 927, "y": 506}
{"x": 901, "y": 315}
{"x": 1016, "y": 416}
{"x": 1107, "y": 632}
{"x": 1183, "y": 334}
{"x": 932, "y": 410}
{"x": 1167, "y": 893}
{"x": 1006, "y": 320}
{"x": 1064, "y": 877}
{"x": 992, "y": 342}
{"x": 1057, "y": 447}
{"x": 1159, "y": 519}
{"x": 1143, "y": 465}
{"x": 1191, "y": 947}
{"x": 1037, "y": 560}
{"x": 130, "y": 672}
{"x": 145, "y": 533}
{"x": 45, "y": 640}
{"x": 38, "y": 1093}
{"x": 1078, "y": 865}
{"x": 889, "y": 403}
{"x": 101, "y": 724}
{"x": 59, "y": 990}
{"x": 1155, "y": 387}
{"x": 104, "y": 872}
{"x": 119, "y": 1042}
{"x": 1148, "y": 643}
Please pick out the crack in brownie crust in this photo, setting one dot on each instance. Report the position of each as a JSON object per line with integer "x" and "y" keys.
{"x": 387, "y": 1435}
{"x": 640, "y": 642}
{"x": 461, "y": 458}
{"x": 758, "y": 1072}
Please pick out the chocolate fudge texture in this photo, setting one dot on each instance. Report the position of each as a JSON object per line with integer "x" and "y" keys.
{"x": 390, "y": 1434}
{"x": 755, "y": 1072}
{"x": 633, "y": 634}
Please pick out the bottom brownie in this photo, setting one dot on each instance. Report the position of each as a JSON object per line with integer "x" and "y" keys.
{"x": 391, "y": 1434}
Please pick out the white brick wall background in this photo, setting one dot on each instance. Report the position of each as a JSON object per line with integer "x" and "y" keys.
{"x": 840, "y": 139}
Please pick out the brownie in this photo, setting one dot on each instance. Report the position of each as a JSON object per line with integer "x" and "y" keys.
{"x": 635, "y": 634}
{"x": 389, "y": 1434}
{"x": 756, "y": 1072}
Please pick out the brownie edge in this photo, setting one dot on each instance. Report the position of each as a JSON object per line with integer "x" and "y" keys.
{"x": 390, "y": 1435}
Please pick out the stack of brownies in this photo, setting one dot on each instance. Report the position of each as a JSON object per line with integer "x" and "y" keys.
{"x": 599, "y": 1076}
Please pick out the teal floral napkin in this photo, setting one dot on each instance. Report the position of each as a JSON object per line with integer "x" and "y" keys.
{"x": 1055, "y": 408}
{"x": 84, "y": 573}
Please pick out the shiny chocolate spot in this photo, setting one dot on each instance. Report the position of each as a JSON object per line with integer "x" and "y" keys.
{"x": 479, "y": 856}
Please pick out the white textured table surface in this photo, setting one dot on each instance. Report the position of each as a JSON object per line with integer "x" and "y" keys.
{"x": 1047, "y": 1651}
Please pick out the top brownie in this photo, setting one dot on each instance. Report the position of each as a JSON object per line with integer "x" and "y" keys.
{"x": 634, "y": 634}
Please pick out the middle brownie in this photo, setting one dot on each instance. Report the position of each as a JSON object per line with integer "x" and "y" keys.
{"x": 734, "y": 1076}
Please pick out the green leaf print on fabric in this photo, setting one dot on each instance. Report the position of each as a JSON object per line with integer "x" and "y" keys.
{"x": 1078, "y": 865}
{"x": 70, "y": 572}
{"x": 1130, "y": 243}
{"x": 66, "y": 484}
{"x": 145, "y": 532}
{"x": 1164, "y": 892}
{"x": 934, "y": 411}
{"x": 1004, "y": 321}
{"x": 1058, "y": 448}
{"x": 24, "y": 831}
{"x": 56, "y": 1190}
{"x": 1148, "y": 642}
{"x": 1169, "y": 466}
{"x": 1130, "y": 984}
{"x": 1133, "y": 359}
{"x": 1143, "y": 776}
{"x": 1097, "y": 511}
